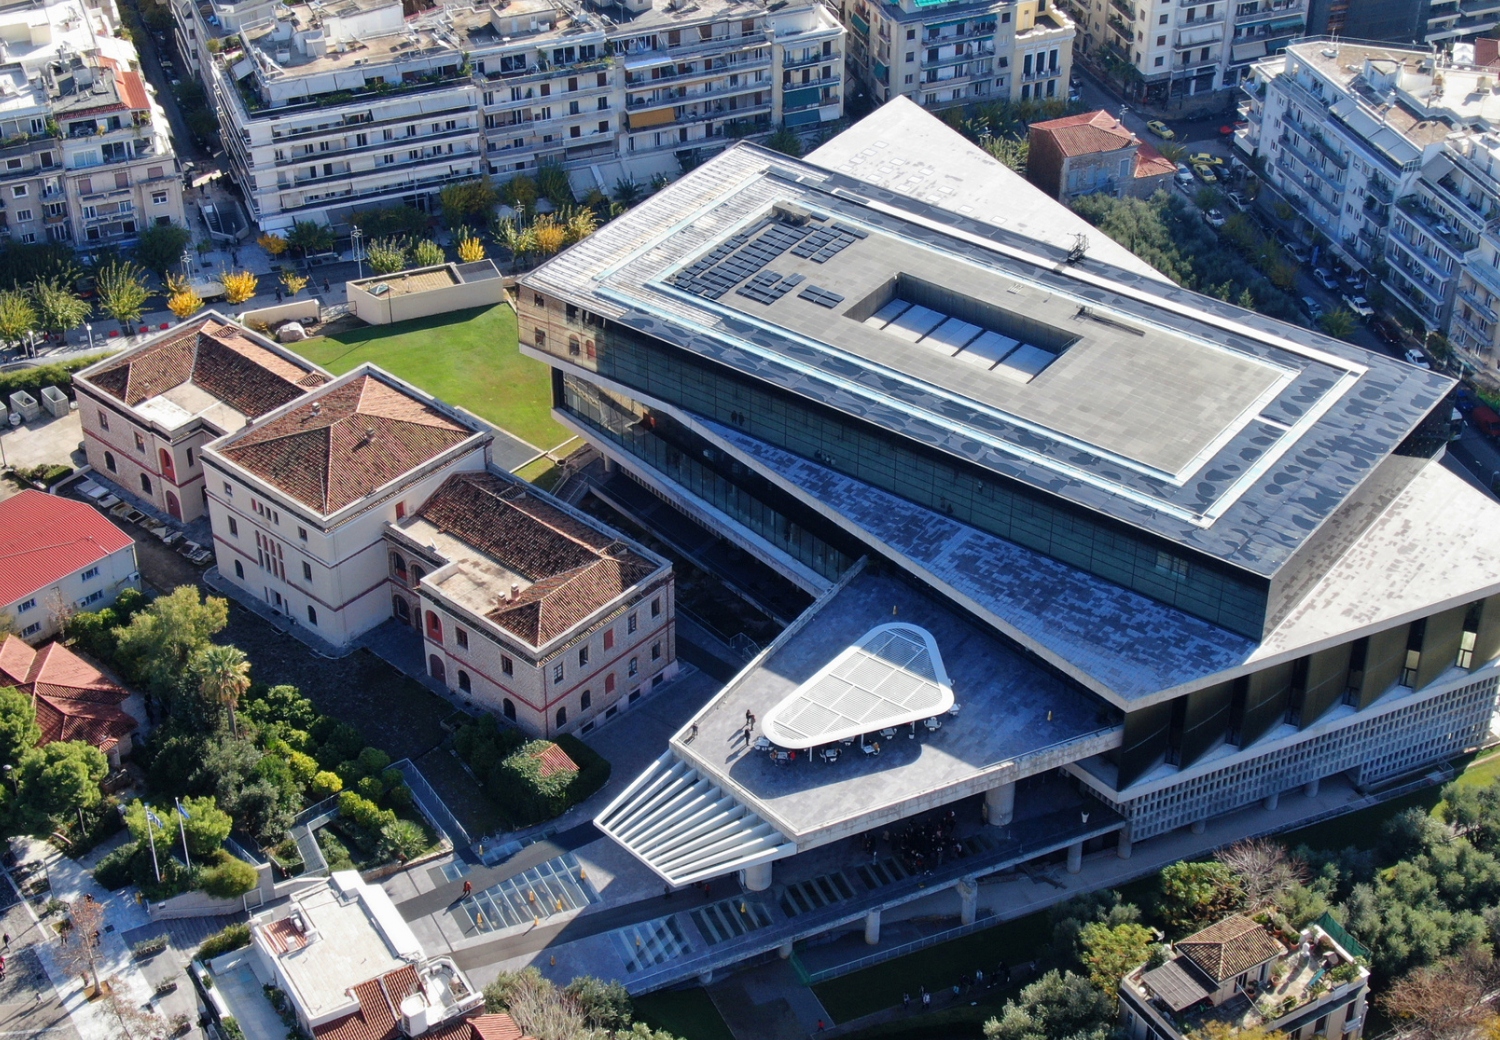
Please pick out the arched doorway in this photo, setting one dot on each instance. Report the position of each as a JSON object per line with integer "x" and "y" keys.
{"x": 401, "y": 610}
{"x": 435, "y": 667}
{"x": 174, "y": 508}
{"x": 168, "y": 470}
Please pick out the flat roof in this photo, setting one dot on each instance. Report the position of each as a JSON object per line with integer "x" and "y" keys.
{"x": 1014, "y": 718}
{"x": 1214, "y": 427}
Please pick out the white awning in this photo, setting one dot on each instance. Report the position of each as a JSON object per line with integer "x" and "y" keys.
{"x": 892, "y": 676}
{"x": 686, "y": 828}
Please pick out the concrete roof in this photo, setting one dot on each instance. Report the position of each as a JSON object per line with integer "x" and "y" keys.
{"x": 1015, "y": 719}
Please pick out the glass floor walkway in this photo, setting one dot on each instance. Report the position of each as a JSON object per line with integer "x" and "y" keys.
{"x": 557, "y": 886}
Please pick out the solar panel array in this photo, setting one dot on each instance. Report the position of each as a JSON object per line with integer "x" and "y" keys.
{"x": 822, "y": 297}
{"x": 768, "y": 287}
{"x": 826, "y": 242}
{"x": 740, "y": 257}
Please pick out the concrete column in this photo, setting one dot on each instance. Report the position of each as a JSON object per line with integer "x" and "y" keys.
{"x": 707, "y": 977}
{"x": 1311, "y": 788}
{"x": 1199, "y": 826}
{"x": 610, "y": 465}
{"x": 1272, "y": 800}
{"x": 872, "y": 927}
{"x": 1075, "y": 857}
{"x": 1000, "y": 804}
{"x": 1122, "y": 844}
{"x": 784, "y": 951}
{"x": 968, "y": 900}
{"x": 756, "y": 878}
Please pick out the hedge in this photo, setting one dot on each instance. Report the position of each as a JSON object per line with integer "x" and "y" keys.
{"x": 230, "y": 938}
{"x": 32, "y": 379}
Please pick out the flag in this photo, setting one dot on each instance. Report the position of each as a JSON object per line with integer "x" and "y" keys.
{"x": 185, "y": 814}
{"x": 154, "y": 821}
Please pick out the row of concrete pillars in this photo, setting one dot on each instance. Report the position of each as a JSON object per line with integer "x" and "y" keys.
{"x": 1269, "y": 802}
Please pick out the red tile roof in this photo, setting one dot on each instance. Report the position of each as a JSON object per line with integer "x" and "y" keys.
{"x": 1151, "y": 163}
{"x": 1086, "y": 133}
{"x": 44, "y": 538}
{"x": 574, "y": 568}
{"x": 133, "y": 90}
{"x": 346, "y": 443}
{"x": 380, "y": 1008}
{"x": 1486, "y": 52}
{"x": 555, "y": 760}
{"x": 218, "y": 358}
{"x": 284, "y": 936}
{"x": 73, "y": 700}
{"x": 373, "y": 1021}
{"x": 1228, "y": 947}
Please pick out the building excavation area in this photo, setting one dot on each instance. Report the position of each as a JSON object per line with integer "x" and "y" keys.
{"x": 1094, "y": 557}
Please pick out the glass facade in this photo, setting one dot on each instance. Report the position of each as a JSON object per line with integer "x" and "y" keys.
{"x": 1168, "y": 572}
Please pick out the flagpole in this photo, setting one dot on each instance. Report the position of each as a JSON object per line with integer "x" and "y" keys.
{"x": 182, "y": 829}
{"x": 151, "y": 834}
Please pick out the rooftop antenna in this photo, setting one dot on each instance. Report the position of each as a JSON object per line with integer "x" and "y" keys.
{"x": 1080, "y": 247}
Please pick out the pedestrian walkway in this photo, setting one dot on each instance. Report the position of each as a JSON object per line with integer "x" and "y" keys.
{"x": 558, "y": 886}
{"x": 649, "y": 943}
{"x": 731, "y": 918}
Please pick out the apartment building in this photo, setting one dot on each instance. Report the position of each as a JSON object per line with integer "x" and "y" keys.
{"x": 330, "y": 110}
{"x": 526, "y": 608}
{"x": 148, "y": 412}
{"x": 1187, "y": 49}
{"x": 1391, "y": 154}
{"x": 943, "y": 54}
{"x": 86, "y": 147}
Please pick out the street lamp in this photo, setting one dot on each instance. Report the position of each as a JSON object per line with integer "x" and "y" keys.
{"x": 356, "y": 236}
{"x": 90, "y": 329}
{"x": 187, "y": 264}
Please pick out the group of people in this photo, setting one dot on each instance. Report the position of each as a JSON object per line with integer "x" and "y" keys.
{"x": 968, "y": 983}
{"x": 923, "y": 845}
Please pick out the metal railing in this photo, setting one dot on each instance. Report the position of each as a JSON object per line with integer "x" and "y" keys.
{"x": 432, "y": 806}
{"x": 986, "y": 919}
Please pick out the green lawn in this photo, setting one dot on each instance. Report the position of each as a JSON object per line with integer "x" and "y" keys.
{"x": 467, "y": 358}
{"x": 686, "y": 1013}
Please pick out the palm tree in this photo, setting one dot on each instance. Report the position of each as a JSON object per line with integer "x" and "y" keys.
{"x": 224, "y": 676}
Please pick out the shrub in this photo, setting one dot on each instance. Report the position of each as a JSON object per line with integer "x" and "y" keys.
{"x": 33, "y": 379}
{"x": 370, "y": 787}
{"x": 403, "y": 840}
{"x": 113, "y": 871}
{"x": 337, "y": 741}
{"x": 372, "y": 761}
{"x": 229, "y": 878}
{"x": 304, "y": 767}
{"x": 323, "y": 785}
{"x": 364, "y": 813}
{"x": 233, "y": 937}
{"x": 334, "y": 851}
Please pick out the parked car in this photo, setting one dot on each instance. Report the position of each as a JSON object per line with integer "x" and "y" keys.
{"x": 1485, "y": 420}
{"x": 1416, "y": 357}
{"x": 1313, "y": 308}
{"x": 1162, "y": 130}
{"x": 1326, "y": 280}
{"x": 1359, "y": 305}
{"x": 1387, "y": 331}
{"x": 1224, "y": 174}
{"x": 1297, "y": 253}
{"x": 1204, "y": 173}
{"x": 1205, "y": 159}
{"x": 1237, "y": 200}
{"x": 1184, "y": 176}
{"x": 1215, "y": 218}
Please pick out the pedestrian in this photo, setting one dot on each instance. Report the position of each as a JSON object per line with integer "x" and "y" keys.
{"x": 7, "y": 940}
{"x": 468, "y": 888}
{"x": 278, "y": 295}
{"x": 325, "y": 284}
{"x": 955, "y": 991}
{"x": 906, "y": 1002}
{"x": 926, "y": 1001}
{"x": 820, "y": 1025}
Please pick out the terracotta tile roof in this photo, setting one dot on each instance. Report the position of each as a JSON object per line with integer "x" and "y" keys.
{"x": 496, "y": 1027}
{"x": 345, "y": 443}
{"x": 373, "y": 1021}
{"x": 216, "y": 357}
{"x": 284, "y": 936}
{"x": 133, "y": 90}
{"x": 1086, "y": 133}
{"x": 1151, "y": 163}
{"x": 73, "y": 700}
{"x": 44, "y": 538}
{"x": 1233, "y": 945}
{"x": 574, "y": 568}
{"x": 555, "y": 760}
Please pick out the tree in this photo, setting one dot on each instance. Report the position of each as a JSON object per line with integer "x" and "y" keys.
{"x": 470, "y": 250}
{"x": 58, "y": 306}
{"x": 273, "y": 244}
{"x": 1264, "y": 869}
{"x": 292, "y": 282}
{"x": 586, "y": 1009}
{"x": 184, "y": 302}
{"x": 223, "y": 675}
{"x": 239, "y": 286}
{"x": 308, "y": 237}
{"x": 605, "y": 1005}
{"x": 57, "y": 780}
{"x": 1110, "y": 953}
{"x": 1338, "y": 323}
{"x": 550, "y": 235}
{"x": 229, "y": 877}
{"x": 1195, "y": 894}
{"x": 785, "y": 141}
{"x": 386, "y": 255}
{"x": 627, "y": 191}
{"x": 1057, "y": 1006}
{"x": 18, "y": 316}
{"x": 467, "y": 201}
{"x": 160, "y": 640}
{"x": 207, "y": 825}
{"x": 19, "y": 731}
{"x": 160, "y": 247}
{"x": 581, "y": 224}
{"x": 427, "y": 253}
{"x": 1215, "y": 1029}
{"x": 403, "y": 839}
{"x": 81, "y": 940}
{"x": 1011, "y": 151}
{"x": 1172, "y": 151}
{"x": 122, "y": 291}
{"x": 1445, "y": 1000}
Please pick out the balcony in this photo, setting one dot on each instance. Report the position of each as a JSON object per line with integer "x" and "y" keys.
{"x": 687, "y": 97}
{"x": 788, "y": 62}
{"x": 979, "y": 29}
{"x": 1419, "y": 303}
{"x": 1441, "y": 232}
{"x": 1477, "y": 302}
{"x": 1311, "y": 161}
{"x": 1126, "y": 10}
{"x": 713, "y": 68}
{"x": 967, "y": 52}
{"x": 1485, "y": 274}
{"x": 1415, "y": 261}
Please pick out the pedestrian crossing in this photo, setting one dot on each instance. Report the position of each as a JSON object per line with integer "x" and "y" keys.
{"x": 650, "y": 943}
{"x": 801, "y": 897}
{"x": 882, "y": 873}
{"x": 730, "y": 919}
{"x": 557, "y": 886}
